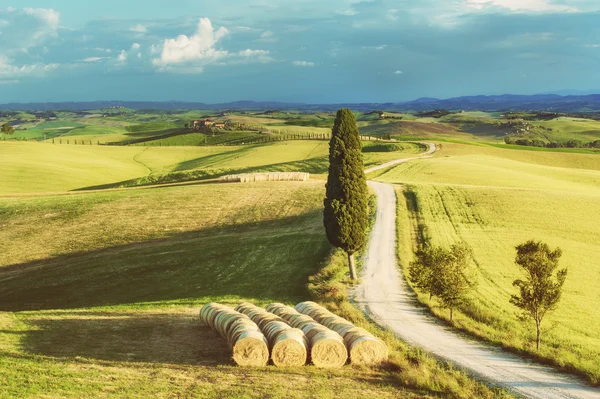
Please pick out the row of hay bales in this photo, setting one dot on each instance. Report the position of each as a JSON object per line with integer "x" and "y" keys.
{"x": 289, "y": 346}
{"x": 291, "y": 336}
{"x": 327, "y": 347}
{"x": 274, "y": 176}
{"x": 363, "y": 347}
{"x": 248, "y": 344}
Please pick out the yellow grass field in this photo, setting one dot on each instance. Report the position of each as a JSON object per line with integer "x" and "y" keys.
{"x": 29, "y": 167}
{"x": 495, "y": 199}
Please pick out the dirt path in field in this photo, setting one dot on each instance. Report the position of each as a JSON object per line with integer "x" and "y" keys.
{"x": 385, "y": 296}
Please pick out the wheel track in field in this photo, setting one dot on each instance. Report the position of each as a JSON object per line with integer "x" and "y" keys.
{"x": 385, "y": 296}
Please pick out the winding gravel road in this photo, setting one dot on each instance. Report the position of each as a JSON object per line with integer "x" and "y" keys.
{"x": 386, "y": 297}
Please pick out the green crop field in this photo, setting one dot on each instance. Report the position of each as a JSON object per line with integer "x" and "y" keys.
{"x": 104, "y": 301}
{"x": 495, "y": 199}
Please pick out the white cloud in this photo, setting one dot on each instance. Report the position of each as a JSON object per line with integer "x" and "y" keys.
{"x": 51, "y": 17}
{"x": 252, "y": 53}
{"x": 378, "y": 48}
{"x": 392, "y": 15}
{"x": 304, "y": 63}
{"x": 267, "y": 34}
{"x": 521, "y": 5}
{"x": 348, "y": 12}
{"x": 139, "y": 28}
{"x": 123, "y": 56}
{"x": 198, "y": 49}
{"x": 135, "y": 46}
{"x": 94, "y": 59}
{"x": 26, "y": 28}
{"x": 398, "y": 72}
{"x": 192, "y": 54}
{"x": 8, "y": 71}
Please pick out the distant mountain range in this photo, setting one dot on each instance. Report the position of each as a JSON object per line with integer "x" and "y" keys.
{"x": 507, "y": 102}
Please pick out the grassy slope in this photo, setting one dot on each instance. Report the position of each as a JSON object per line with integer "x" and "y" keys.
{"x": 495, "y": 199}
{"x": 36, "y": 167}
{"x": 104, "y": 301}
{"x": 69, "y": 167}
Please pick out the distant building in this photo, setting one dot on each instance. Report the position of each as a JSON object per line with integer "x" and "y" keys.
{"x": 219, "y": 125}
{"x": 382, "y": 115}
{"x": 203, "y": 123}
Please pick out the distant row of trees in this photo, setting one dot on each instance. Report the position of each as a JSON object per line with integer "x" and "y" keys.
{"x": 552, "y": 144}
{"x": 448, "y": 275}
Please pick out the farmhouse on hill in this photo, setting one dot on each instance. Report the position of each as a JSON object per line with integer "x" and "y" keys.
{"x": 208, "y": 122}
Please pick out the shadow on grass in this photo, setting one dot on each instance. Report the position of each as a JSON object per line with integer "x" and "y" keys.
{"x": 269, "y": 260}
{"x": 143, "y": 337}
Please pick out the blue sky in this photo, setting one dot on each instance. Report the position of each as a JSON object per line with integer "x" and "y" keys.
{"x": 317, "y": 51}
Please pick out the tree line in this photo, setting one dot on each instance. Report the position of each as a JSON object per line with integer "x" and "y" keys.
{"x": 448, "y": 275}
{"x": 553, "y": 144}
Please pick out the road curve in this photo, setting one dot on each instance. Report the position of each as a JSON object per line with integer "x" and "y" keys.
{"x": 385, "y": 296}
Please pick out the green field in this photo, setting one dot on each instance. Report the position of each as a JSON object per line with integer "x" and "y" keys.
{"x": 104, "y": 301}
{"x": 493, "y": 200}
{"x": 70, "y": 167}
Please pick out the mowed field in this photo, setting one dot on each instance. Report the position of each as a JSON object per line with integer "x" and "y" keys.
{"x": 43, "y": 167}
{"x": 101, "y": 292}
{"x": 495, "y": 199}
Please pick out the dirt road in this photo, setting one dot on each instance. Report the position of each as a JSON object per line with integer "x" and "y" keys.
{"x": 385, "y": 296}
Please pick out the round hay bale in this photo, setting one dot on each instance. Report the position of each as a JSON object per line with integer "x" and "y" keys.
{"x": 299, "y": 320}
{"x": 273, "y": 306}
{"x": 352, "y": 334}
{"x": 239, "y": 327}
{"x": 367, "y": 350}
{"x": 328, "y": 350}
{"x": 209, "y": 312}
{"x": 289, "y": 348}
{"x": 251, "y": 350}
{"x": 273, "y": 328}
{"x": 223, "y": 321}
{"x": 342, "y": 328}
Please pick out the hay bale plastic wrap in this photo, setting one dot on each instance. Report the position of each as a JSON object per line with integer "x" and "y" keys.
{"x": 327, "y": 348}
{"x": 248, "y": 344}
{"x": 289, "y": 346}
{"x": 363, "y": 347}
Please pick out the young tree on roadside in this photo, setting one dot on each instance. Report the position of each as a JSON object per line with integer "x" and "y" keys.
{"x": 540, "y": 292}
{"x": 444, "y": 273}
{"x": 346, "y": 202}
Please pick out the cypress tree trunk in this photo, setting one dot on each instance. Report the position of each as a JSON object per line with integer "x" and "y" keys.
{"x": 539, "y": 334}
{"x": 352, "y": 266}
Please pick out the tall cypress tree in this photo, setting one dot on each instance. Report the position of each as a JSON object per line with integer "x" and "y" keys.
{"x": 346, "y": 204}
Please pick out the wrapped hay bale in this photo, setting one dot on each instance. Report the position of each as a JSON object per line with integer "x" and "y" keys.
{"x": 248, "y": 344}
{"x": 363, "y": 347}
{"x": 327, "y": 348}
{"x": 289, "y": 346}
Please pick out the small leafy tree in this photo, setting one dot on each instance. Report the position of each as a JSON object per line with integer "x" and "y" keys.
{"x": 7, "y": 129}
{"x": 346, "y": 201}
{"x": 444, "y": 273}
{"x": 540, "y": 292}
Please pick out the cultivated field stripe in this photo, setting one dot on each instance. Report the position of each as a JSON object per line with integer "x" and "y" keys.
{"x": 386, "y": 297}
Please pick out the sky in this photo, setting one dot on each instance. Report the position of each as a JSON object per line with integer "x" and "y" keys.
{"x": 311, "y": 51}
